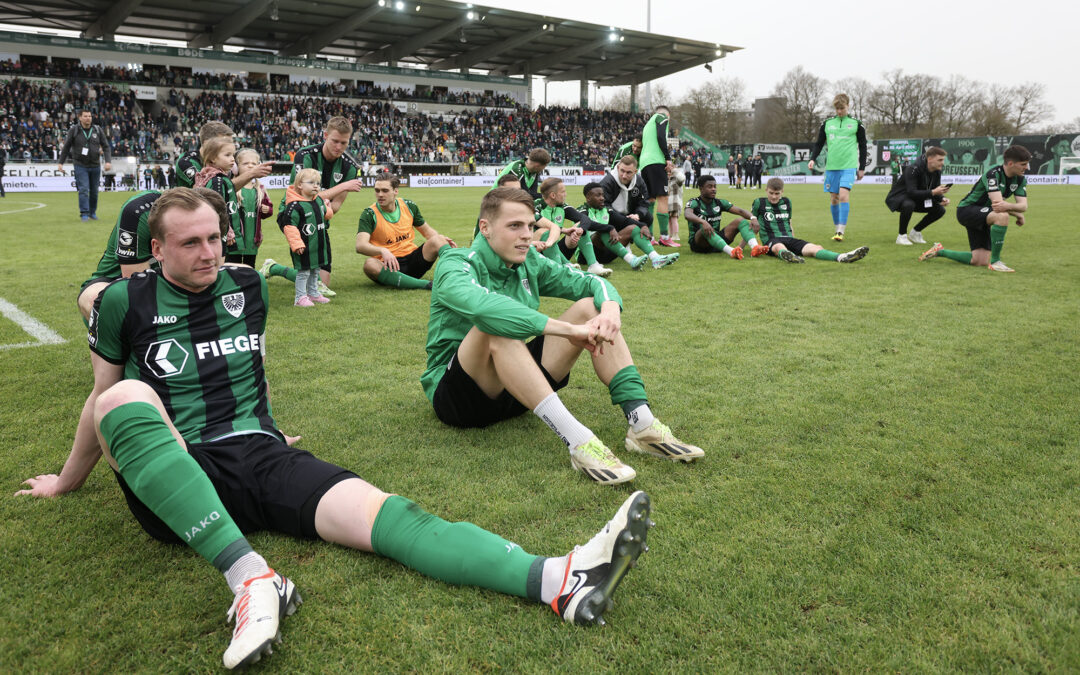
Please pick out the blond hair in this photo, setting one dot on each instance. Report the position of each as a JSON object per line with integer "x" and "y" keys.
{"x": 307, "y": 174}
{"x": 246, "y": 151}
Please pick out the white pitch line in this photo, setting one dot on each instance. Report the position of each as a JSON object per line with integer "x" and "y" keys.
{"x": 36, "y": 205}
{"x": 37, "y": 330}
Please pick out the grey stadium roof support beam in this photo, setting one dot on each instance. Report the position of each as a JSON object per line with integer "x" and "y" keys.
{"x": 481, "y": 54}
{"x": 544, "y": 62}
{"x": 230, "y": 25}
{"x": 598, "y": 69}
{"x": 395, "y": 52}
{"x": 107, "y": 23}
{"x": 313, "y": 43}
{"x": 657, "y": 73}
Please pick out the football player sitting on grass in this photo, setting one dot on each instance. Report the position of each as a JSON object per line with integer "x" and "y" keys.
{"x": 773, "y": 212}
{"x": 706, "y": 236}
{"x": 480, "y": 370}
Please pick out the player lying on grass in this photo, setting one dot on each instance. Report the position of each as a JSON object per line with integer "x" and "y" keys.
{"x": 704, "y": 213}
{"x": 773, "y": 212}
{"x": 480, "y": 370}
{"x": 387, "y": 233}
{"x": 182, "y": 411}
{"x": 985, "y": 212}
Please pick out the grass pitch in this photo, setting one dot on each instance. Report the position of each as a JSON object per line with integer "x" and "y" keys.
{"x": 892, "y": 478}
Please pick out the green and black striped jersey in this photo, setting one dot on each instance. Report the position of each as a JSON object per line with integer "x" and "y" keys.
{"x": 624, "y": 150}
{"x": 187, "y": 165}
{"x": 334, "y": 173}
{"x": 774, "y": 219}
{"x": 995, "y": 180}
{"x": 310, "y": 219}
{"x": 129, "y": 241}
{"x": 202, "y": 353}
{"x": 710, "y": 212}
{"x": 223, "y": 185}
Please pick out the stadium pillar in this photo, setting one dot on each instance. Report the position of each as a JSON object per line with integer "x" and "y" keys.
{"x": 633, "y": 98}
{"x": 584, "y": 103}
{"x": 528, "y": 86}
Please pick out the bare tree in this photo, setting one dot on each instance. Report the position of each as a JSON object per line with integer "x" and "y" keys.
{"x": 955, "y": 101}
{"x": 1030, "y": 106}
{"x": 618, "y": 100}
{"x": 902, "y": 102}
{"x": 805, "y": 95}
{"x": 993, "y": 115}
{"x": 708, "y": 109}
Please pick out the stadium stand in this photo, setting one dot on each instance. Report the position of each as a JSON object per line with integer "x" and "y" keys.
{"x": 276, "y": 123}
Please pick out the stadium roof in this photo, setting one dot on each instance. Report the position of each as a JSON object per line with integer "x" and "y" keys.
{"x": 440, "y": 34}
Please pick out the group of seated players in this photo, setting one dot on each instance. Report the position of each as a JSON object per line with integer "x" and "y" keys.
{"x": 162, "y": 423}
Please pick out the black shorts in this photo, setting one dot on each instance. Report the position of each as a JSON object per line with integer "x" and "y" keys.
{"x": 656, "y": 179}
{"x": 460, "y": 402}
{"x": 415, "y": 265}
{"x": 263, "y": 483}
{"x": 790, "y": 243}
{"x": 973, "y": 218}
{"x": 241, "y": 258}
{"x": 95, "y": 280}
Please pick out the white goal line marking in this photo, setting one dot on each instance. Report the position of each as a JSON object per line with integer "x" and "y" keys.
{"x": 41, "y": 333}
{"x": 36, "y": 205}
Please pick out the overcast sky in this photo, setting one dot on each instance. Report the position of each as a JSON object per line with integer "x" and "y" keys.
{"x": 836, "y": 40}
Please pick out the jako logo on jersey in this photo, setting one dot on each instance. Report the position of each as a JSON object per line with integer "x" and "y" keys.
{"x": 163, "y": 319}
{"x": 166, "y": 358}
{"x": 226, "y": 346}
{"x": 233, "y": 303}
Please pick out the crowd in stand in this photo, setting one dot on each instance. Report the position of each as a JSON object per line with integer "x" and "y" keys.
{"x": 34, "y": 118}
{"x": 162, "y": 77}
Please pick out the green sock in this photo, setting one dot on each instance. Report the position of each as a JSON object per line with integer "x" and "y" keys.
{"x": 662, "y": 218}
{"x": 626, "y": 387}
{"x": 958, "y": 256}
{"x": 826, "y": 255}
{"x": 643, "y": 243}
{"x": 997, "y": 240}
{"x": 716, "y": 241}
{"x": 746, "y": 231}
{"x": 615, "y": 247}
{"x": 277, "y": 270}
{"x": 585, "y": 249}
{"x": 457, "y": 553}
{"x": 170, "y": 483}
{"x": 388, "y": 277}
